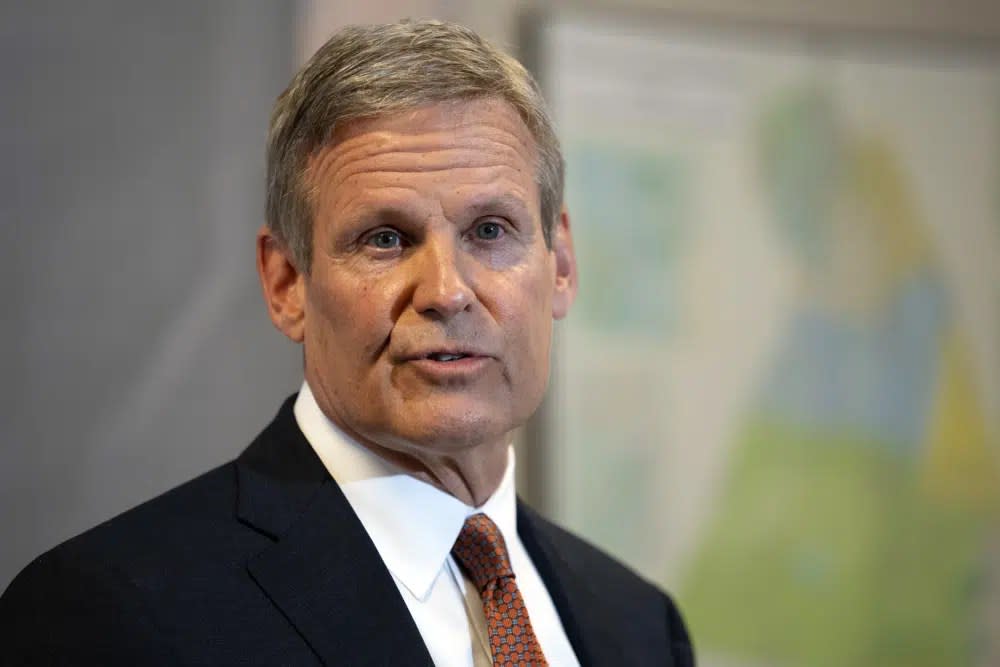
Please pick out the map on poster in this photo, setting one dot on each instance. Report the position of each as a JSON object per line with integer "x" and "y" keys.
{"x": 779, "y": 392}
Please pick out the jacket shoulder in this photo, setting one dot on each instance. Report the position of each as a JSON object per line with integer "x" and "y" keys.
{"x": 162, "y": 528}
{"x": 645, "y": 612}
{"x": 90, "y": 599}
{"x": 603, "y": 571}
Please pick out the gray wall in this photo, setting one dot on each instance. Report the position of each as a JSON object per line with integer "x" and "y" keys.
{"x": 137, "y": 351}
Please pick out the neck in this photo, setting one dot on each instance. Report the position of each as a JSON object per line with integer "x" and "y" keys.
{"x": 471, "y": 475}
{"x": 469, "y": 470}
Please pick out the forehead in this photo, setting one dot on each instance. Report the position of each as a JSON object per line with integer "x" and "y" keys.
{"x": 480, "y": 145}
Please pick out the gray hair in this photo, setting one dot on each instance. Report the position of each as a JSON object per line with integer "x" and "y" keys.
{"x": 369, "y": 71}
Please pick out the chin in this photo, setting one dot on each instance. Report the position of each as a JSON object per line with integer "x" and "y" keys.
{"x": 461, "y": 434}
{"x": 455, "y": 429}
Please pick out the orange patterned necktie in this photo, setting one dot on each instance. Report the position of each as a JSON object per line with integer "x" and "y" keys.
{"x": 480, "y": 550}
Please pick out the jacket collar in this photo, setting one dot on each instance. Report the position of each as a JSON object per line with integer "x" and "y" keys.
{"x": 325, "y": 575}
{"x": 322, "y": 571}
{"x": 583, "y": 613}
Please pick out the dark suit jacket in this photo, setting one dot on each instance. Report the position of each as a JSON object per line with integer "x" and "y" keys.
{"x": 262, "y": 561}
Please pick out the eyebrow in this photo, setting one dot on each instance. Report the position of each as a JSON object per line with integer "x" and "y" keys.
{"x": 397, "y": 213}
{"x": 503, "y": 202}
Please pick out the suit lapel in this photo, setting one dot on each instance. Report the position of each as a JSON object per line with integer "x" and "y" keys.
{"x": 325, "y": 575}
{"x": 583, "y": 614}
{"x": 322, "y": 571}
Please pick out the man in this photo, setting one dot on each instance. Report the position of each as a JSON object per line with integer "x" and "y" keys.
{"x": 416, "y": 245}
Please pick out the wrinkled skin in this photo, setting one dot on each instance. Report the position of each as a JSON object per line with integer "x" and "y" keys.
{"x": 427, "y": 241}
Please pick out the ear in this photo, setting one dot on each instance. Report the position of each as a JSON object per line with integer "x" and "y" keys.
{"x": 283, "y": 285}
{"x": 566, "y": 280}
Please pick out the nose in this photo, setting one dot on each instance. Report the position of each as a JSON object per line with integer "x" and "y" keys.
{"x": 441, "y": 288}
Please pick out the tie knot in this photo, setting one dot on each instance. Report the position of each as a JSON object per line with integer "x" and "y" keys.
{"x": 480, "y": 549}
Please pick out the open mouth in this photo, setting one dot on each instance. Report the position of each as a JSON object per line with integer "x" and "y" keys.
{"x": 445, "y": 356}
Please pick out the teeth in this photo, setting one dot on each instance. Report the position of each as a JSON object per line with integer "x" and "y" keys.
{"x": 446, "y": 357}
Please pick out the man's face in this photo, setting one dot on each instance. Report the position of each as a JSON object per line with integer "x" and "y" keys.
{"x": 429, "y": 305}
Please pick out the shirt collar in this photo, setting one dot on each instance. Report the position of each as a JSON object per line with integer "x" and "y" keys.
{"x": 412, "y": 523}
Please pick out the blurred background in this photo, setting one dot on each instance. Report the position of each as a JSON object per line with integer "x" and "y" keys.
{"x": 778, "y": 395}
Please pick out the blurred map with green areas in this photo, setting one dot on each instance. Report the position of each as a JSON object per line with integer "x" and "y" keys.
{"x": 779, "y": 393}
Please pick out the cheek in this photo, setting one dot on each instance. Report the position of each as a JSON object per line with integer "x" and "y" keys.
{"x": 324, "y": 349}
{"x": 348, "y": 317}
{"x": 530, "y": 322}
{"x": 529, "y": 371}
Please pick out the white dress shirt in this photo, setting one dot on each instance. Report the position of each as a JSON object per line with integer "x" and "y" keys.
{"x": 414, "y": 526}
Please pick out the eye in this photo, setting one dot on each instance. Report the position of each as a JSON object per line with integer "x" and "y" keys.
{"x": 385, "y": 239}
{"x": 489, "y": 231}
